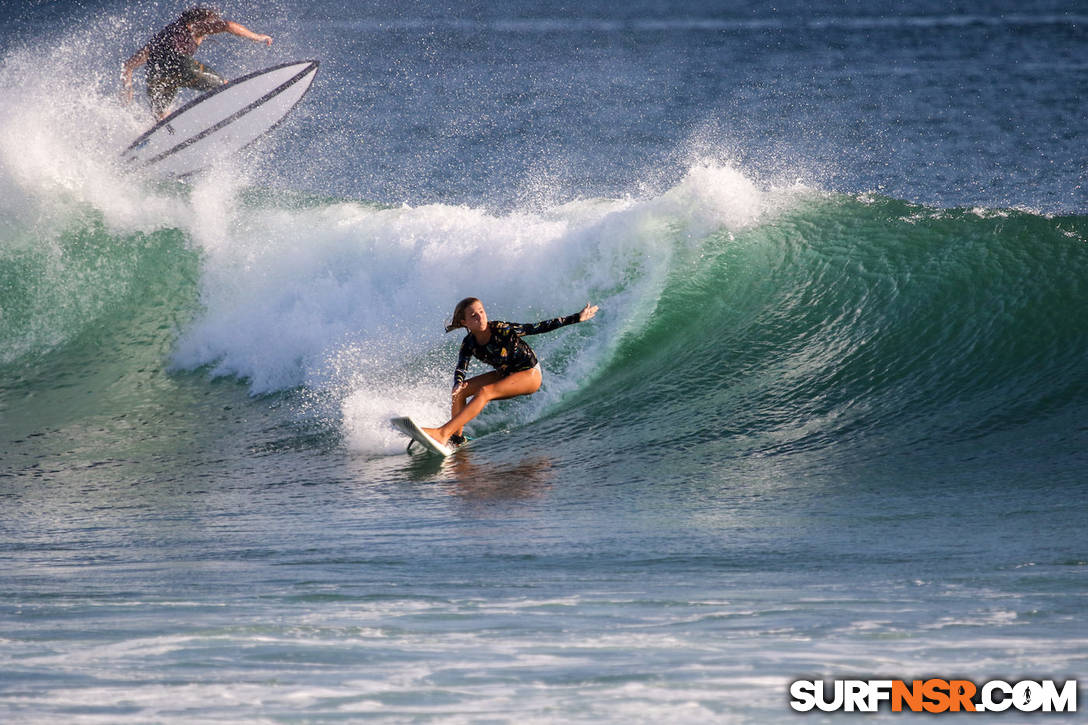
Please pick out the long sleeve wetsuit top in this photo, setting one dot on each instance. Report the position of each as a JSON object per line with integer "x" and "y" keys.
{"x": 506, "y": 351}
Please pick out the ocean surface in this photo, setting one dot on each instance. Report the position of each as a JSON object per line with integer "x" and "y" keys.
{"x": 830, "y": 422}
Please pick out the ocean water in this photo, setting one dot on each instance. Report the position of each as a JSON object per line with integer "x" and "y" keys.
{"x": 830, "y": 421}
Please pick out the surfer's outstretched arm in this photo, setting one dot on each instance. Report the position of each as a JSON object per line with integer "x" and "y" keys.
{"x": 536, "y": 328}
{"x": 243, "y": 32}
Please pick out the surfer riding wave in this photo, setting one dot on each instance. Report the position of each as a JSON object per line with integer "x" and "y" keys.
{"x": 500, "y": 345}
{"x": 169, "y": 57}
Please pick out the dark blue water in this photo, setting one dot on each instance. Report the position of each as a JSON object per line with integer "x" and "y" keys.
{"x": 828, "y": 423}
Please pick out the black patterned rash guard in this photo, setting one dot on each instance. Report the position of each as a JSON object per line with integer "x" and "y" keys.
{"x": 506, "y": 351}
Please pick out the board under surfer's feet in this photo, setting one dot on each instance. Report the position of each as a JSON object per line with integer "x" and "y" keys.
{"x": 455, "y": 440}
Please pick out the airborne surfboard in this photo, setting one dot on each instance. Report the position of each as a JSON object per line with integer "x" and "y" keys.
{"x": 221, "y": 121}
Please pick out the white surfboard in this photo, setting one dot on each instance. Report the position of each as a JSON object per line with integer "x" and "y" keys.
{"x": 222, "y": 121}
{"x": 410, "y": 428}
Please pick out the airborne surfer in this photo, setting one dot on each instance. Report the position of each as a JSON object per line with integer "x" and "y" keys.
{"x": 500, "y": 345}
{"x": 169, "y": 57}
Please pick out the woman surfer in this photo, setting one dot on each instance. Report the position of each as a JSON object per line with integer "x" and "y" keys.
{"x": 498, "y": 344}
{"x": 169, "y": 57}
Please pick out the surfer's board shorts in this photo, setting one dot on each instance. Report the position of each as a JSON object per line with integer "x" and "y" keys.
{"x": 166, "y": 78}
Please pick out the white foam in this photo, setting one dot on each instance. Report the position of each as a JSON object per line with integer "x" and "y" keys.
{"x": 352, "y": 299}
{"x": 462, "y": 660}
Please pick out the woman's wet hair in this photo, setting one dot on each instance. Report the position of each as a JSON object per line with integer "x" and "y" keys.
{"x": 459, "y": 313}
{"x": 198, "y": 13}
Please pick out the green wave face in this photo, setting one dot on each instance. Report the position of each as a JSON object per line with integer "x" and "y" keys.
{"x": 861, "y": 325}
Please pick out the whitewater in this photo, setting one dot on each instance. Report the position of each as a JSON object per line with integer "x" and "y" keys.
{"x": 828, "y": 422}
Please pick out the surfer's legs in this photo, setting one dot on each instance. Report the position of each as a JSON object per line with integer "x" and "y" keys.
{"x": 482, "y": 389}
{"x": 201, "y": 77}
{"x": 161, "y": 89}
{"x": 472, "y": 387}
{"x": 165, "y": 80}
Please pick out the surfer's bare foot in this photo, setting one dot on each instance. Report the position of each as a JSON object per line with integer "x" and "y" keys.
{"x": 436, "y": 433}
